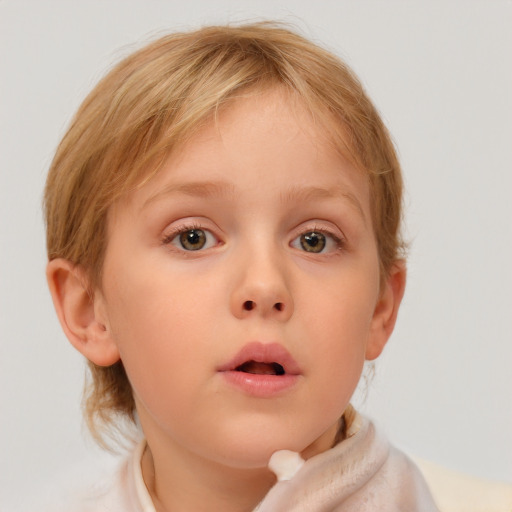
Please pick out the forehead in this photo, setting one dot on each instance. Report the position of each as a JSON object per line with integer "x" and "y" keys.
{"x": 253, "y": 133}
{"x": 277, "y": 107}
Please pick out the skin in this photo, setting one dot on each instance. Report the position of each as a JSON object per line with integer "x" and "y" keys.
{"x": 254, "y": 182}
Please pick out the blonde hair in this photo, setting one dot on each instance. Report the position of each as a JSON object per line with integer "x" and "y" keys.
{"x": 154, "y": 100}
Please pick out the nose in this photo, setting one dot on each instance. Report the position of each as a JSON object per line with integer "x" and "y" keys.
{"x": 262, "y": 288}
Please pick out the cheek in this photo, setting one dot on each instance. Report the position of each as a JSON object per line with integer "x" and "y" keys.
{"x": 342, "y": 309}
{"x": 155, "y": 296}
{"x": 341, "y": 348}
{"x": 161, "y": 319}
{"x": 339, "y": 321}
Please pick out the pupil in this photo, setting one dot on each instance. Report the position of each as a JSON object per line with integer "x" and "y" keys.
{"x": 193, "y": 239}
{"x": 313, "y": 242}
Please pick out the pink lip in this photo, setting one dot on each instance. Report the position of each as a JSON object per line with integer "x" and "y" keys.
{"x": 262, "y": 385}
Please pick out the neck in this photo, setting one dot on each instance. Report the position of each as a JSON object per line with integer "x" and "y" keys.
{"x": 191, "y": 483}
{"x": 179, "y": 480}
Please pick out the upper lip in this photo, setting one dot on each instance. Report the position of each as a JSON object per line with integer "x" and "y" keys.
{"x": 263, "y": 353}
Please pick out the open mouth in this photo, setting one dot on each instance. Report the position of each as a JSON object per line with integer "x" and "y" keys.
{"x": 263, "y": 359}
{"x": 257, "y": 368}
{"x": 262, "y": 370}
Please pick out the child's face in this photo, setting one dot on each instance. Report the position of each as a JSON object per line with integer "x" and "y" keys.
{"x": 253, "y": 243}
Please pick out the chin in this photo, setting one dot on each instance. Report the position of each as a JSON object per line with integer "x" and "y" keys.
{"x": 254, "y": 449}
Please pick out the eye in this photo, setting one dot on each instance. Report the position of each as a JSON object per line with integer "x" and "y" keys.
{"x": 312, "y": 241}
{"x": 316, "y": 242}
{"x": 191, "y": 239}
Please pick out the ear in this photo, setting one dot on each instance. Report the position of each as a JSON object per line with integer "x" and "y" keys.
{"x": 386, "y": 310}
{"x": 81, "y": 312}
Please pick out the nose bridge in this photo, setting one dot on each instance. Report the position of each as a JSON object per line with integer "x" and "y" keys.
{"x": 262, "y": 286}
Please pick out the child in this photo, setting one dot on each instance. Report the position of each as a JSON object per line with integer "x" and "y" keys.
{"x": 223, "y": 230}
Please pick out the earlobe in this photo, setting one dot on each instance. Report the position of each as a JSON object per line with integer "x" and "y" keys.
{"x": 386, "y": 310}
{"x": 81, "y": 312}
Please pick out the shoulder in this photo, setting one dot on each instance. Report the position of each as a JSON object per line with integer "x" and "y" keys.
{"x": 450, "y": 490}
{"x": 125, "y": 491}
{"x": 118, "y": 488}
{"x": 457, "y": 492}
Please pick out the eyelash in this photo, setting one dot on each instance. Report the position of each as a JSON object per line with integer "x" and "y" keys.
{"x": 169, "y": 238}
{"x": 339, "y": 242}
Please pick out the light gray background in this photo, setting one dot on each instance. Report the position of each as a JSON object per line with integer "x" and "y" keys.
{"x": 440, "y": 73}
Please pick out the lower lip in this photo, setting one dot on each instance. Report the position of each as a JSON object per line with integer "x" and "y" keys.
{"x": 261, "y": 386}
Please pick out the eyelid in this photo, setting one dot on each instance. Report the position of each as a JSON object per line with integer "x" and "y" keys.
{"x": 173, "y": 233}
{"x": 334, "y": 233}
{"x": 325, "y": 227}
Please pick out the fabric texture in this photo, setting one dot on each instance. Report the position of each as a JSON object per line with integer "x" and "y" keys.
{"x": 361, "y": 473}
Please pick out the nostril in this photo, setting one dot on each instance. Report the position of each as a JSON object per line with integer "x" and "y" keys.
{"x": 248, "y": 305}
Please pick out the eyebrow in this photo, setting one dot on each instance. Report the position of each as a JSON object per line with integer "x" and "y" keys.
{"x": 305, "y": 194}
{"x": 202, "y": 189}
{"x": 206, "y": 189}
